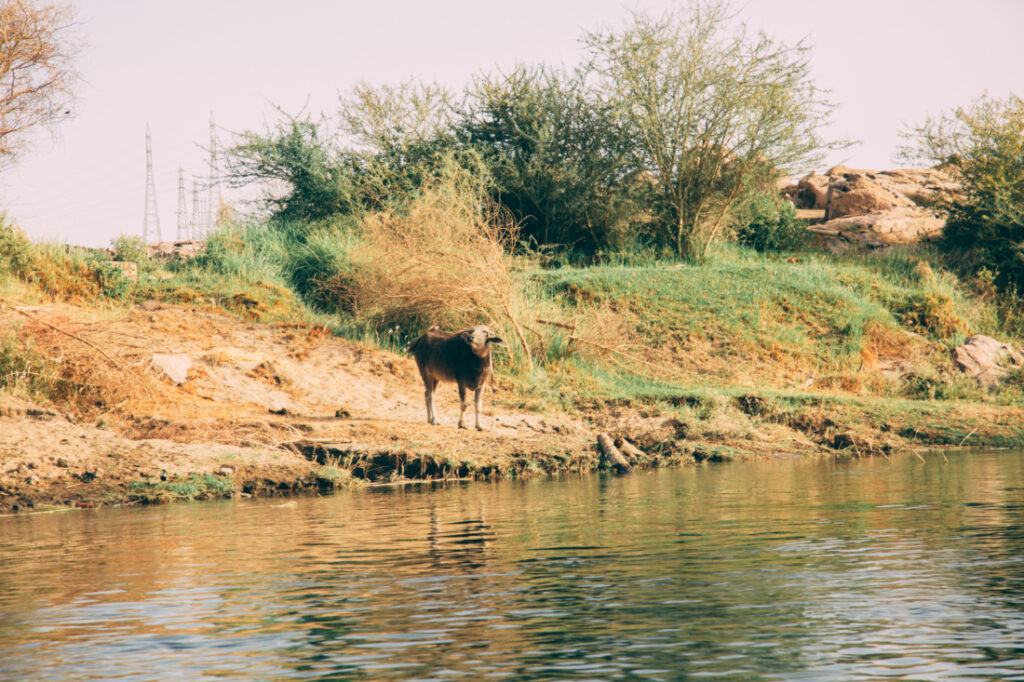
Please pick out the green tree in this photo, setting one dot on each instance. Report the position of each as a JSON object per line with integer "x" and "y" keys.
{"x": 396, "y": 136}
{"x": 982, "y": 145}
{"x": 304, "y": 175}
{"x": 717, "y": 109}
{"x": 380, "y": 146}
{"x": 559, "y": 161}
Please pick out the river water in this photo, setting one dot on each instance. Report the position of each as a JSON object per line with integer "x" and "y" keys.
{"x": 865, "y": 569}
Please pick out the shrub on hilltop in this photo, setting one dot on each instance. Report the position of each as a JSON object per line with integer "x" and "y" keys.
{"x": 983, "y": 145}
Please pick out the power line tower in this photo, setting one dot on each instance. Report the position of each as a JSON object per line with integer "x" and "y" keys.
{"x": 151, "y": 221}
{"x": 182, "y": 210}
{"x": 214, "y": 189}
{"x": 197, "y": 228}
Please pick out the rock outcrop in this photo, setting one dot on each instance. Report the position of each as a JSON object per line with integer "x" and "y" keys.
{"x": 987, "y": 360}
{"x": 811, "y": 192}
{"x": 184, "y": 250}
{"x": 854, "y": 194}
{"x": 868, "y": 209}
{"x": 901, "y": 225}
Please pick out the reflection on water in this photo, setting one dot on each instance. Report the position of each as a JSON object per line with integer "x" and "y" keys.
{"x": 795, "y": 570}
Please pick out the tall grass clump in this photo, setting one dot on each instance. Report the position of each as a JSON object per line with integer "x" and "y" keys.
{"x": 444, "y": 258}
{"x": 317, "y": 265}
{"x": 23, "y": 370}
{"x": 59, "y": 271}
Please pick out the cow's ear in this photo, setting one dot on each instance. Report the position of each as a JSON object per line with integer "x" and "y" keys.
{"x": 467, "y": 336}
{"x": 495, "y": 339}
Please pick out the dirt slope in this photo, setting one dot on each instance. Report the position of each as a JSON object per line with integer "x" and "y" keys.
{"x": 263, "y": 405}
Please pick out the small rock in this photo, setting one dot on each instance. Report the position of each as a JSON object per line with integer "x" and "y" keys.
{"x": 62, "y": 463}
{"x": 174, "y": 365}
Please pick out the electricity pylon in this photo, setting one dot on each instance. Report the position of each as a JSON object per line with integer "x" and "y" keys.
{"x": 212, "y": 201}
{"x": 197, "y": 226}
{"x": 182, "y": 210}
{"x": 151, "y": 221}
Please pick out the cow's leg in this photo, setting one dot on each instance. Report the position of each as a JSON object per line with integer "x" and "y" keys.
{"x": 429, "y": 395}
{"x": 462, "y": 405}
{"x": 478, "y": 400}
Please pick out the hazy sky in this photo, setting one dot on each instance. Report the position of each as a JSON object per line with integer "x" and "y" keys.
{"x": 172, "y": 63}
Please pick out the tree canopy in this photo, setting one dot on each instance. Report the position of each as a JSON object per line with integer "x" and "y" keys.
{"x": 717, "y": 109}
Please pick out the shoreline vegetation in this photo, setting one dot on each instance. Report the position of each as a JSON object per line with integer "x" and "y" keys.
{"x": 619, "y": 224}
{"x": 747, "y": 355}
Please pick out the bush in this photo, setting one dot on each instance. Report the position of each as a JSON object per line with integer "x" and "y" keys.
{"x": 17, "y": 255}
{"x": 983, "y": 146}
{"x": 319, "y": 180}
{"x": 130, "y": 249}
{"x": 560, "y": 162}
{"x": 767, "y": 223}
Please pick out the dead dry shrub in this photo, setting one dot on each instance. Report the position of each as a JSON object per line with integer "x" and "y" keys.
{"x": 882, "y": 343}
{"x": 69, "y": 366}
{"x": 443, "y": 260}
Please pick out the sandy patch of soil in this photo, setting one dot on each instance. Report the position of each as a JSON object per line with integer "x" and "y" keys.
{"x": 265, "y": 407}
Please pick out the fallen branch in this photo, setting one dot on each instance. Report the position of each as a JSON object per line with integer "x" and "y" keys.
{"x": 612, "y": 455}
{"x": 96, "y": 348}
{"x": 968, "y": 436}
{"x": 633, "y": 451}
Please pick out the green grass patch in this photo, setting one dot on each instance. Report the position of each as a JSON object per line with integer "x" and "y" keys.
{"x": 182, "y": 488}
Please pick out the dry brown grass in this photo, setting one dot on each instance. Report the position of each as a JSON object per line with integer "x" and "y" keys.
{"x": 883, "y": 344}
{"x": 74, "y": 370}
{"x": 445, "y": 260}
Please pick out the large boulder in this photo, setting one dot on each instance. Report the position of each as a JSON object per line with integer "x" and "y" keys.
{"x": 903, "y": 225}
{"x": 987, "y": 360}
{"x": 923, "y": 186}
{"x": 174, "y": 365}
{"x": 854, "y": 194}
{"x": 811, "y": 192}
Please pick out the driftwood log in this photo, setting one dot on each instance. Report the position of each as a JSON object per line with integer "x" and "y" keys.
{"x": 635, "y": 454}
{"x": 612, "y": 455}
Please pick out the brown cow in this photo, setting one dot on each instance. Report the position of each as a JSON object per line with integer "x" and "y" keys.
{"x": 462, "y": 357}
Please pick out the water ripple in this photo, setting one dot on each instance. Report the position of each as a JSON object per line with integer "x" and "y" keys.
{"x": 786, "y": 570}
